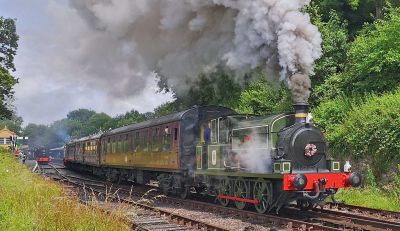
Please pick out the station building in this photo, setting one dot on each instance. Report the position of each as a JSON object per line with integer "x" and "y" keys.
{"x": 6, "y": 137}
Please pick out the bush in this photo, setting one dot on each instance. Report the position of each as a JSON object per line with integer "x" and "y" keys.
{"x": 371, "y": 180}
{"x": 330, "y": 113}
{"x": 370, "y": 130}
{"x": 261, "y": 98}
{"x": 372, "y": 63}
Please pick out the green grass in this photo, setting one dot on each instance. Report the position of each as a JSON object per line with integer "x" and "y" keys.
{"x": 369, "y": 197}
{"x": 29, "y": 202}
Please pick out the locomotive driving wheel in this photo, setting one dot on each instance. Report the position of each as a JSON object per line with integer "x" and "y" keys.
{"x": 241, "y": 190}
{"x": 184, "y": 192}
{"x": 263, "y": 194}
{"x": 224, "y": 188}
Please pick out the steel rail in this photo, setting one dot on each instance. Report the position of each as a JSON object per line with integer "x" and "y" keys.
{"x": 142, "y": 226}
{"x": 334, "y": 218}
{"x": 360, "y": 209}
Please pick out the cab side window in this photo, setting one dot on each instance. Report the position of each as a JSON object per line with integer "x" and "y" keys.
{"x": 223, "y": 131}
{"x": 214, "y": 131}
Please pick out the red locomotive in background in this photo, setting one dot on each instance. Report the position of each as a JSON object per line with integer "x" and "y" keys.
{"x": 40, "y": 154}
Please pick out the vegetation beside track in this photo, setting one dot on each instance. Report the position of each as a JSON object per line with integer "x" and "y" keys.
{"x": 369, "y": 197}
{"x": 29, "y": 202}
{"x": 385, "y": 197}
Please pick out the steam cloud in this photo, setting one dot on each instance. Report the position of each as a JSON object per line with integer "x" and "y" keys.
{"x": 181, "y": 38}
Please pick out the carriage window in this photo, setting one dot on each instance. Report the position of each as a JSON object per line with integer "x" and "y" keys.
{"x": 214, "y": 131}
{"x": 175, "y": 133}
{"x": 109, "y": 145}
{"x": 145, "y": 141}
{"x": 166, "y": 139}
{"x": 119, "y": 144}
{"x": 137, "y": 142}
{"x": 155, "y": 139}
{"x": 114, "y": 145}
{"x": 125, "y": 143}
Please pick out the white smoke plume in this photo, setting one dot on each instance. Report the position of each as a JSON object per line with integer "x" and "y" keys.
{"x": 181, "y": 38}
{"x": 250, "y": 150}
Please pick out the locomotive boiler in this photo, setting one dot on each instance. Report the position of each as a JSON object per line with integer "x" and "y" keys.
{"x": 263, "y": 161}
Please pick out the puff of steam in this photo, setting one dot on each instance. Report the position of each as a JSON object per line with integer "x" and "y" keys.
{"x": 299, "y": 85}
{"x": 181, "y": 38}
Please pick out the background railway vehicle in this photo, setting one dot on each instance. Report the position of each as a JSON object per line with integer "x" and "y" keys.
{"x": 40, "y": 154}
{"x": 266, "y": 162}
{"x": 83, "y": 153}
{"x": 56, "y": 154}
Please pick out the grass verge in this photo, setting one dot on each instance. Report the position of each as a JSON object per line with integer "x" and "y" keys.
{"x": 371, "y": 197}
{"x": 29, "y": 202}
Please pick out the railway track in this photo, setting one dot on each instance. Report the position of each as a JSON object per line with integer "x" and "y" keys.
{"x": 384, "y": 214}
{"x": 333, "y": 217}
{"x": 157, "y": 219}
{"x": 345, "y": 221}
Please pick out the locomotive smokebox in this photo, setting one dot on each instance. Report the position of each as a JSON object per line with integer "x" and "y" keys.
{"x": 301, "y": 112}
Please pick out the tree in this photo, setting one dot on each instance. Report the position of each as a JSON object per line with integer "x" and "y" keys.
{"x": 373, "y": 60}
{"x": 355, "y": 12}
{"x": 14, "y": 124}
{"x": 97, "y": 122}
{"x": 261, "y": 98}
{"x": 130, "y": 117}
{"x": 37, "y": 134}
{"x": 216, "y": 88}
{"x": 81, "y": 115}
{"x": 335, "y": 44}
{"x": 8, "y": 49}
{"x": 165, "y": 109}
{"x": 6, "y": 93}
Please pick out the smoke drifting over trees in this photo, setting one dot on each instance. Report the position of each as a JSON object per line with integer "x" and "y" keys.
{"x": 179, "y": 39}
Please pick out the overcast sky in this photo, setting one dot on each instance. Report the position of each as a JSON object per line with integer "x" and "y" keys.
{"x": 53, "y": 78}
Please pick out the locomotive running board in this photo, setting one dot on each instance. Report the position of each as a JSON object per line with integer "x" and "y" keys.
{"x": 256, "y": 202}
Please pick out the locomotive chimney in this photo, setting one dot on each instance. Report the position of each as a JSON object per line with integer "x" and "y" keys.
{"x": 301, "y": 112}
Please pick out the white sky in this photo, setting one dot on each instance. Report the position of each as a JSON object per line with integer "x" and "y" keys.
{"x": 50, "y": 82}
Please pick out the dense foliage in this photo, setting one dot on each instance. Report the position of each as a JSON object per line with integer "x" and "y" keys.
{"x": 359, "y": 105}
{"x": 8, "y": 49}
{"x": 370, "y": 131}
{"x": 373, "y": 61}
{"x": 261, "y": 98}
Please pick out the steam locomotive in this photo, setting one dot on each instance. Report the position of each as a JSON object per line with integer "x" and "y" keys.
{"x": 265, "y": 162}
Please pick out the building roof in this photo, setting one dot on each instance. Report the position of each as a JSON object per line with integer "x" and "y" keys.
{"x": 6, "y": 133}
